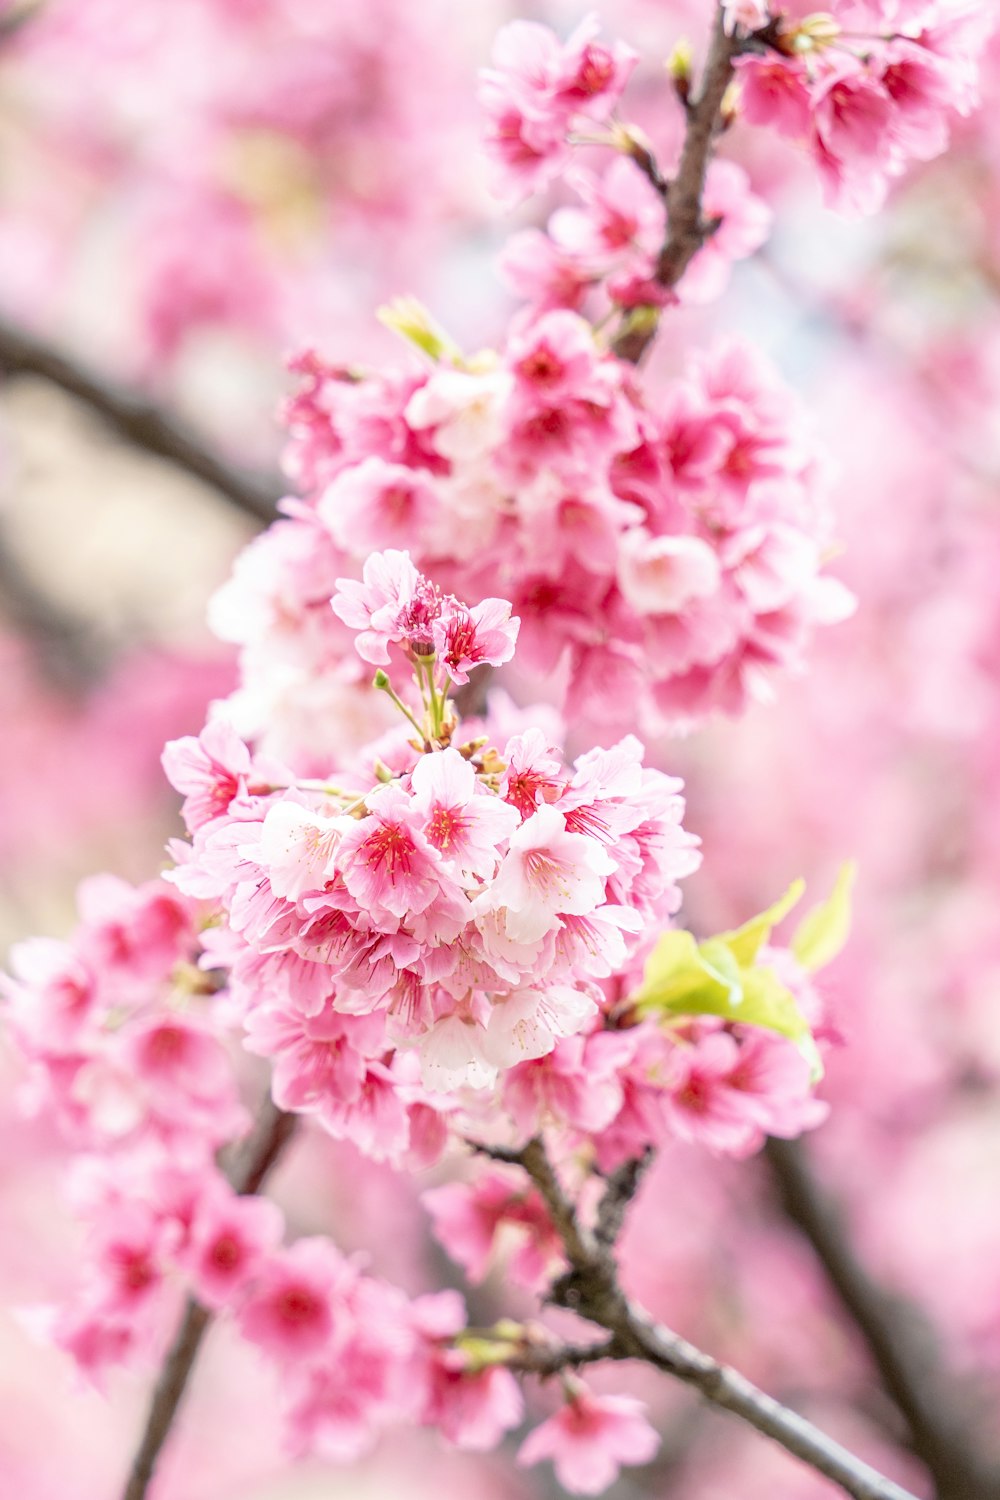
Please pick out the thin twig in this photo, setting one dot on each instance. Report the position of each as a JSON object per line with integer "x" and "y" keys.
{"x": 138, "y": 421}
{"x": 271, "y": 1133}
{"x": 591, "y": 1289}
{"x": 899, "y": 1341}
{"x": 687, "y": 231}
{"x": 547, "y": 1360}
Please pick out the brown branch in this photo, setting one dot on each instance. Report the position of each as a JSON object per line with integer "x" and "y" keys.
{"x": 591, "y": 1289}
{"x": 138, "y": 421}
{"x": 272, "y": 1131}
{"x": 686, "y": 229}
{"x": 65, "y": 645}
{"x": 901, "y": 1345}
{"x": 547, "y": 1360}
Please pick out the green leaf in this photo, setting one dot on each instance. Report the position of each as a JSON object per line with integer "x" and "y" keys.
{"x": 678, "y": 978}
{"x": 745, "y": 942}
{"x": 823, "y": 931}
{"x": 412, "y": 321}
{"x": 769, "y": 1003}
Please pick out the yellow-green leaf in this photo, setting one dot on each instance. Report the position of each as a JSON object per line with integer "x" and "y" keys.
{"x": 769, "y": 1003}
{"x": 823, "y": 931}
{"x": 745, "y": 942}
{"x": 679, "y": 979}
{"x": 412, "y": 321}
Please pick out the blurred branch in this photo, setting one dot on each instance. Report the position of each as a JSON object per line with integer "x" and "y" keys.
{"x": 138, "y": 421}
{"x": 66, "y": 646}
{"x": 591, "y": 1289}
{"x": 272, "y": 1131}
{"x": 895, "y": 1332}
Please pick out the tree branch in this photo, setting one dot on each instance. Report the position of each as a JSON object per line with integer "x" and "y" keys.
{"x": 901, "y": 1345}
{"x": 686, "y": 229}
{"x": 272, "y": 1131}
{"x": 138, "y": 421}
{"x": 591, "y": 1289}
{"x": 65, "y": 645}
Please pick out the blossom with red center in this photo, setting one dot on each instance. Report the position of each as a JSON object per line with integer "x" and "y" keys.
{"x": 468, "y": 638}
{"x": 387, "y": 863}
{"x": 290, "y": 1311}
{"x": 210, "y": 771}
{"x": 463, "y": 821}
{"x": 375, "y": 504}
{"x": 230, "y": 1238}
{"x": 533, "y": 773}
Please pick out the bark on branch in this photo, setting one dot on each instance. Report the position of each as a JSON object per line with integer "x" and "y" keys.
{"x": 687, "y": 230}
{"x": 901, "y": 1345}
{"x": 591, "y": 1288}
{"x": 138, "y": 421}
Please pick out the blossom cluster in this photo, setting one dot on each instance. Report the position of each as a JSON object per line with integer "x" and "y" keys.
{"x": 867, "y": 94}
{"x": 540, "y": 91}
{"x": 611, "y": 239}
{"x": 109, "y": 1060}
{"x": 460, "y": 898}
{"x": 490, "y": 909}
{"x": 664, "y": 553}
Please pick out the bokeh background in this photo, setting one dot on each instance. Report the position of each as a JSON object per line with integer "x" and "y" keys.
{"x": 190, "y": 192}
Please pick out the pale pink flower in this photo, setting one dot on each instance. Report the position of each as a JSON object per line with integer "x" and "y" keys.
{"x": 529, "y": 1022}
{"x": 576, "y": 1084}
{"x": 452, "y": 1057}
{"x": 620, "y": 227}
{"x": 297, "y": 848}
{"x": 317, "y": 1058}
{"x": 541, "y": 273}
{"x": 750, "y": 15}
{"x": 544, "y": 872}
{"x": 468, "y": 1218}
{"x": 132, "y": 934}
{"x": 589, "y": 1439}
{"x": 472, "y": 1409}
{"x": 52, "y": 996}
{"x": 372, "y": 606}
{"x": 178, "y": 1060}
{"x": 660, "y": 575}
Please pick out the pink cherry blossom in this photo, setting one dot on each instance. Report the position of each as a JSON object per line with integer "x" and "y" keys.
{"x": 230, "y": 1239}
{"x": 590, "y": 1438}
{"x": 290, "y": 1312}
{"x": 464, "y": 827}
{"x": 546, "y": 871}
